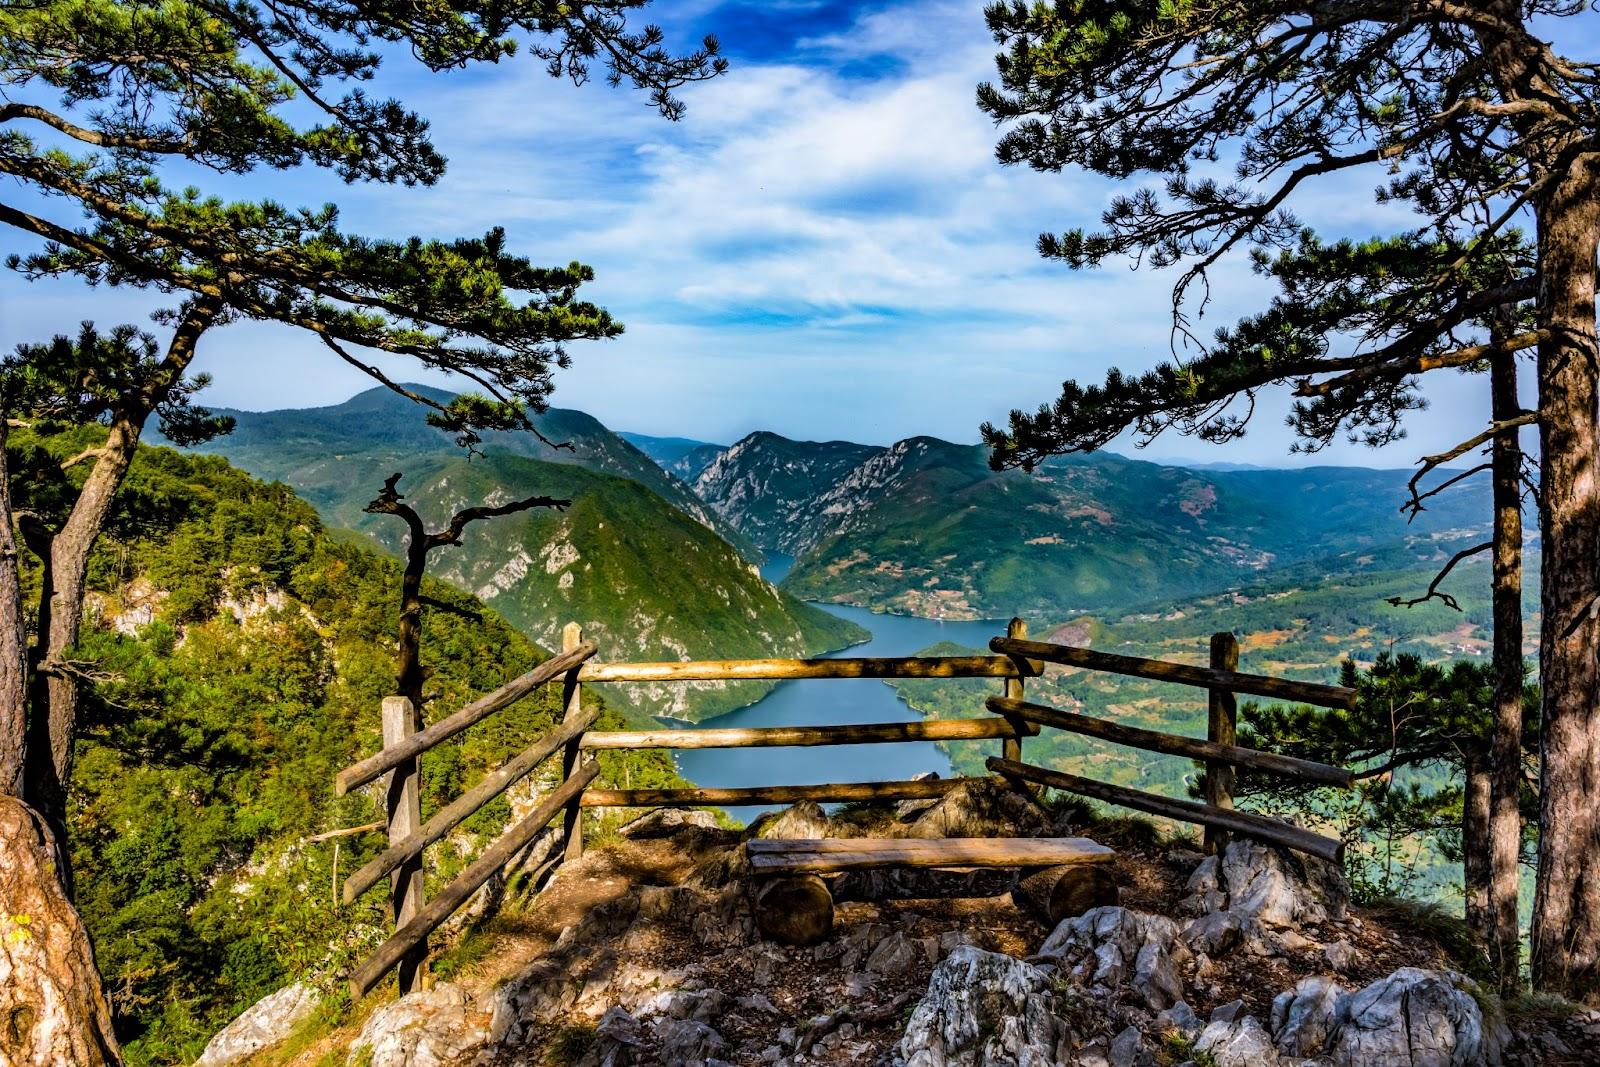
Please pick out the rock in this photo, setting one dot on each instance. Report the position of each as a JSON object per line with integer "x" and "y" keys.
{"x": 895, "y": 954}
{"x": 1413, "y": 1018}
{"x": 1271, "y": 892}
{"x": 265, "y": 1023}
{"x": 618, "y": 1041}
{"x": 687, "y": 1042}
{"x": 793, "y": 909}
{"x": 911, "y": 810}
{"x": 1058, "y": 893}
{"x": 1227, "y": 1013}
{"x": 1179, "y": 1019}
{"x": 1106, "y": 947}
{"x": 804, "y": 821}
{"x": 982, "y": 807}
{"x": 428, "y": 1029}
{"x": 667, "y": 822}
{"x": 1238, "y": 1042}
{"x": 1341, "y": 956}
{"x": 1126, "y": 1048}
{"x": 1305, "y": 1018}
{"x": 1213, "y": 934}
{"x": 984, "y": 1009}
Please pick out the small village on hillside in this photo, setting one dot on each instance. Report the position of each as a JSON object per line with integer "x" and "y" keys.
{"x": 649, "y": 533}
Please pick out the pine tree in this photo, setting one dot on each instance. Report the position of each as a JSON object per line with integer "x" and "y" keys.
{"x": 1479, "y": 125}
{"x": 102, "y": 96}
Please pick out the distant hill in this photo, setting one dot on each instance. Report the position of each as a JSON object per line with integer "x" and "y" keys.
{"x": 925, "y": 527}
{"x": 679, "y": 456}
{"x": 647, "y": 578}
{"x": 388, "y": 428}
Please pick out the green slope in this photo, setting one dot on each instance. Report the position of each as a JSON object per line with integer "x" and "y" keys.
{"x": 246, "y": 652}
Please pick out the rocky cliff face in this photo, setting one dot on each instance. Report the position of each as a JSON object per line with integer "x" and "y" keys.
{"x": 768, "y": 486}
{"x": 1253, "y": 958}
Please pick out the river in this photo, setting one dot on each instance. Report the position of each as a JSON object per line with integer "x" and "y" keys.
{"x": 815, "y": 702}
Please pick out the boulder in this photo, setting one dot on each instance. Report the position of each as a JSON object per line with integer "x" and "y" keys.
{"x": 263, "y": 1024}
{"x": 805, "y": 821}
{"x": 432, "y": 1028}
{"x": 1414, "y": 1018}
{"x": 1271, "y": 892}
{"x": 1107, "y": 948}
{"x": 981, "y": 807}
{"x": 1305, "y": 1018}
{"x": 1239, "y": 1042}
{"x": 667, "y": 822}
{"x": 984, "y": 1009}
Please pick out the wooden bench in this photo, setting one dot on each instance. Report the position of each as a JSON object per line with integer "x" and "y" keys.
{"x": 835, "y": 854}
{"x": 792, "y": 903}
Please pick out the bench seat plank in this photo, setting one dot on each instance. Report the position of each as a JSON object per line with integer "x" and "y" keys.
{"x": 797, "y": 856}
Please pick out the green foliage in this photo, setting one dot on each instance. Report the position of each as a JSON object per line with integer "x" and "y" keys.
{"x": 244, "y": 653}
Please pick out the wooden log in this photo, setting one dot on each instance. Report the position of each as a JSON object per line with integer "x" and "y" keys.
{"x": 1058, "y": 893}
{"x": 359, "y": 774}
{"x": 1173, "y": 744}
{"x": 806, "y": 736}
{"x": 1222, "y": 726}
{"x": 403, "y": 804}
{"x": 572, "y": 701}
{"x": 795, "y": 910}
{"x": 468, "y": 882}
{"x": 449, "y": 817}
{"x": 778, "y": 669}
{"x": 1011, "y": 749}
{"x": 1273, "y": 831}
{"x": 843, "y": 792}
{"x": 1160, "y": 670}
{"x": 855, "y": 853}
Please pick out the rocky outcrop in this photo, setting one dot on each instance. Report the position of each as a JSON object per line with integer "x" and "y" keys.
{"x": 433, "y": 1028}
{"x": 981, "y": 807}
{"x": 1259, "y": 898}
{"x": 983, "y": 1009}
{"x": 263, "y": 1024}
{"x": 1110, "y": 949}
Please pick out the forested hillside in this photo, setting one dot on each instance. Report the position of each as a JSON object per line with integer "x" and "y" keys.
{"x": 924, "y": 527}
{"x": 239, "y": 654}
{"x": 628, "y": 560}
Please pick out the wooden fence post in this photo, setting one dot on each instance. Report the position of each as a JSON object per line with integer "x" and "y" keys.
{"x": 1011, "y": 747}
{"x": 572, "y": 701}
{"x": 1222, "y": 728}
{"x": 404, "y": 818}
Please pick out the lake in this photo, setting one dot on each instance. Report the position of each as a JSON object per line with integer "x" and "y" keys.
{"x": 816, "y": 702}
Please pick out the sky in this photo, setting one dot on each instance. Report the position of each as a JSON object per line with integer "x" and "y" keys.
{"x": 824, "y": 246}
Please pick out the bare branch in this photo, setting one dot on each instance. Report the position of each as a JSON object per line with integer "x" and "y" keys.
{"x": 1434, "y": 592}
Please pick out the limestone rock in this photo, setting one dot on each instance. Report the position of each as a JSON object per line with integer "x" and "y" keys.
{"x": 1305, "y": 1018}
{"x": 263, "y": 1024}
{"x": 433, "y": 1028}
{"x": 1238, "y": 1042}
{"x": 983, "y": 1009}
{"x": 1272, "y": 893}
{"x": 805, "y": 821}
{"x": 981, "y": 807}
{"x": 1413, "y": 1018}
{"x": 667, "y": 822}
{"x": 1108, "y": 947}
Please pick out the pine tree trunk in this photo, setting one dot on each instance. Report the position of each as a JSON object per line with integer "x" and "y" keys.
{"x": 51, "y": 1005}
{"x": 1475, "y": 843}
{"x": 1505, "y": 754}
{"x": 1566, "y": 921}
{"x": 13, "y": 643}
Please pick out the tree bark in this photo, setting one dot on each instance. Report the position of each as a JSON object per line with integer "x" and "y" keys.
{"x": 1566, "y": 921}
{"x": 54, "y": 692}
{"x": 52, "y": 1011}
{"x": 1475, "y": 842}
{"x": 13, "y": 643}
{"x": 1505, "y": 746}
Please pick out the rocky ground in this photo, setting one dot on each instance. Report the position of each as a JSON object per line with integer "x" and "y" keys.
{"x": 646, "y": 952}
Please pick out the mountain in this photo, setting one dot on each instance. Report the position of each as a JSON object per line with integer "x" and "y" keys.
{"x": 645, "y": 578}
{"x": 391, "y": 430}
{"x": 242, "y": 650}
{"x": 924, "y": 526}
{"x": 767, "y": 486}
{"x": 682, "y": 457}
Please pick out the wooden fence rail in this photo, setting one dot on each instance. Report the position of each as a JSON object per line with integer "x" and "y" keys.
{"x": 1014, "y": 660}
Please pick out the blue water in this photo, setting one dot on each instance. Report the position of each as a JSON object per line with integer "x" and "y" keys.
{"x": 816, "y": 702}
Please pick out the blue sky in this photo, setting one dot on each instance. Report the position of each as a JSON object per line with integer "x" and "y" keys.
{"x": 824, "y": 246}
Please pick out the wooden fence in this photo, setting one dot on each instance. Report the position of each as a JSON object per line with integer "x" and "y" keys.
{"x": 1013, "y": 660}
